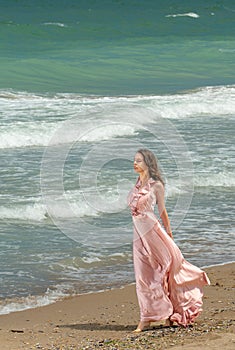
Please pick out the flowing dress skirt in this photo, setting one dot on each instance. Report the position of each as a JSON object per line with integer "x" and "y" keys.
{"x": 167, "y": 285}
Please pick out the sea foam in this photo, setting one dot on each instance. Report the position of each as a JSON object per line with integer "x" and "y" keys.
{"x": 189, "y": 14}
{"x": 51, "y": 295}
{"x": 29, "y": 120}
{"x": 73, "y": 205}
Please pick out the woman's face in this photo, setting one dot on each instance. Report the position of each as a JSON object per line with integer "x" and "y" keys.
{"x": 139, "y": 163}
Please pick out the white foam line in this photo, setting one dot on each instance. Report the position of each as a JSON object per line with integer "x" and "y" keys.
{"x": 221, "y": 264}
{"x": 58, "y": 24}
{"x": 189, "y": 14}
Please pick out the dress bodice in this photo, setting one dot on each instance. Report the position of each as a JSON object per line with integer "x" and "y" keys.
{"x": 142, "y": 199}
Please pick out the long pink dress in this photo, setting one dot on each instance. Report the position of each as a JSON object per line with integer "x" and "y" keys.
{"x": 167, "y": 285}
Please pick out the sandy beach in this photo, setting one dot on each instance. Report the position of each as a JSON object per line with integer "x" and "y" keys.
{"x": 106, "y": 320}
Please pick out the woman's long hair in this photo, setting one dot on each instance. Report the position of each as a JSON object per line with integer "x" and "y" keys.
{"x": 151, "y": 162}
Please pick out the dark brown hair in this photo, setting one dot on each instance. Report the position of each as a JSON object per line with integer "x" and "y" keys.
{"x": 151, "y": 162}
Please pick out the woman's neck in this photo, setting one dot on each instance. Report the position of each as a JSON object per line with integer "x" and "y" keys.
{"x": 144, "y": 178}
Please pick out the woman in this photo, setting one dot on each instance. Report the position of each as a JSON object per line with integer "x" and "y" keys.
{"x": 168, "y": 287}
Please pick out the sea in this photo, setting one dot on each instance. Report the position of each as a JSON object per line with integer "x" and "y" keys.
{"x": 83, "y": 86}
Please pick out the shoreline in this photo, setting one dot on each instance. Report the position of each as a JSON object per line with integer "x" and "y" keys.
{"x": 220, "y": 264}
{"x": 59, "y": 299}
{"x": 106, "y": 319}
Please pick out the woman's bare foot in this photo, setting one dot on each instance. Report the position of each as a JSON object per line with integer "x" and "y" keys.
{"x": 142, "y": 326}
{"x": 169, "y": 323}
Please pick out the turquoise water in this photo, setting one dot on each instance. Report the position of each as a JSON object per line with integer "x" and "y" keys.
{"x": 113, "y": 47}
{"x": 83, "y": 84}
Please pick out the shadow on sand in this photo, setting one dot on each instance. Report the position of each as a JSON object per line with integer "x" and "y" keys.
{"x": 108, "y": 327}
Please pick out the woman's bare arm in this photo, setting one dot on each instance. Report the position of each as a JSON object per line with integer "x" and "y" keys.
{"x": 160, "y": 195}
